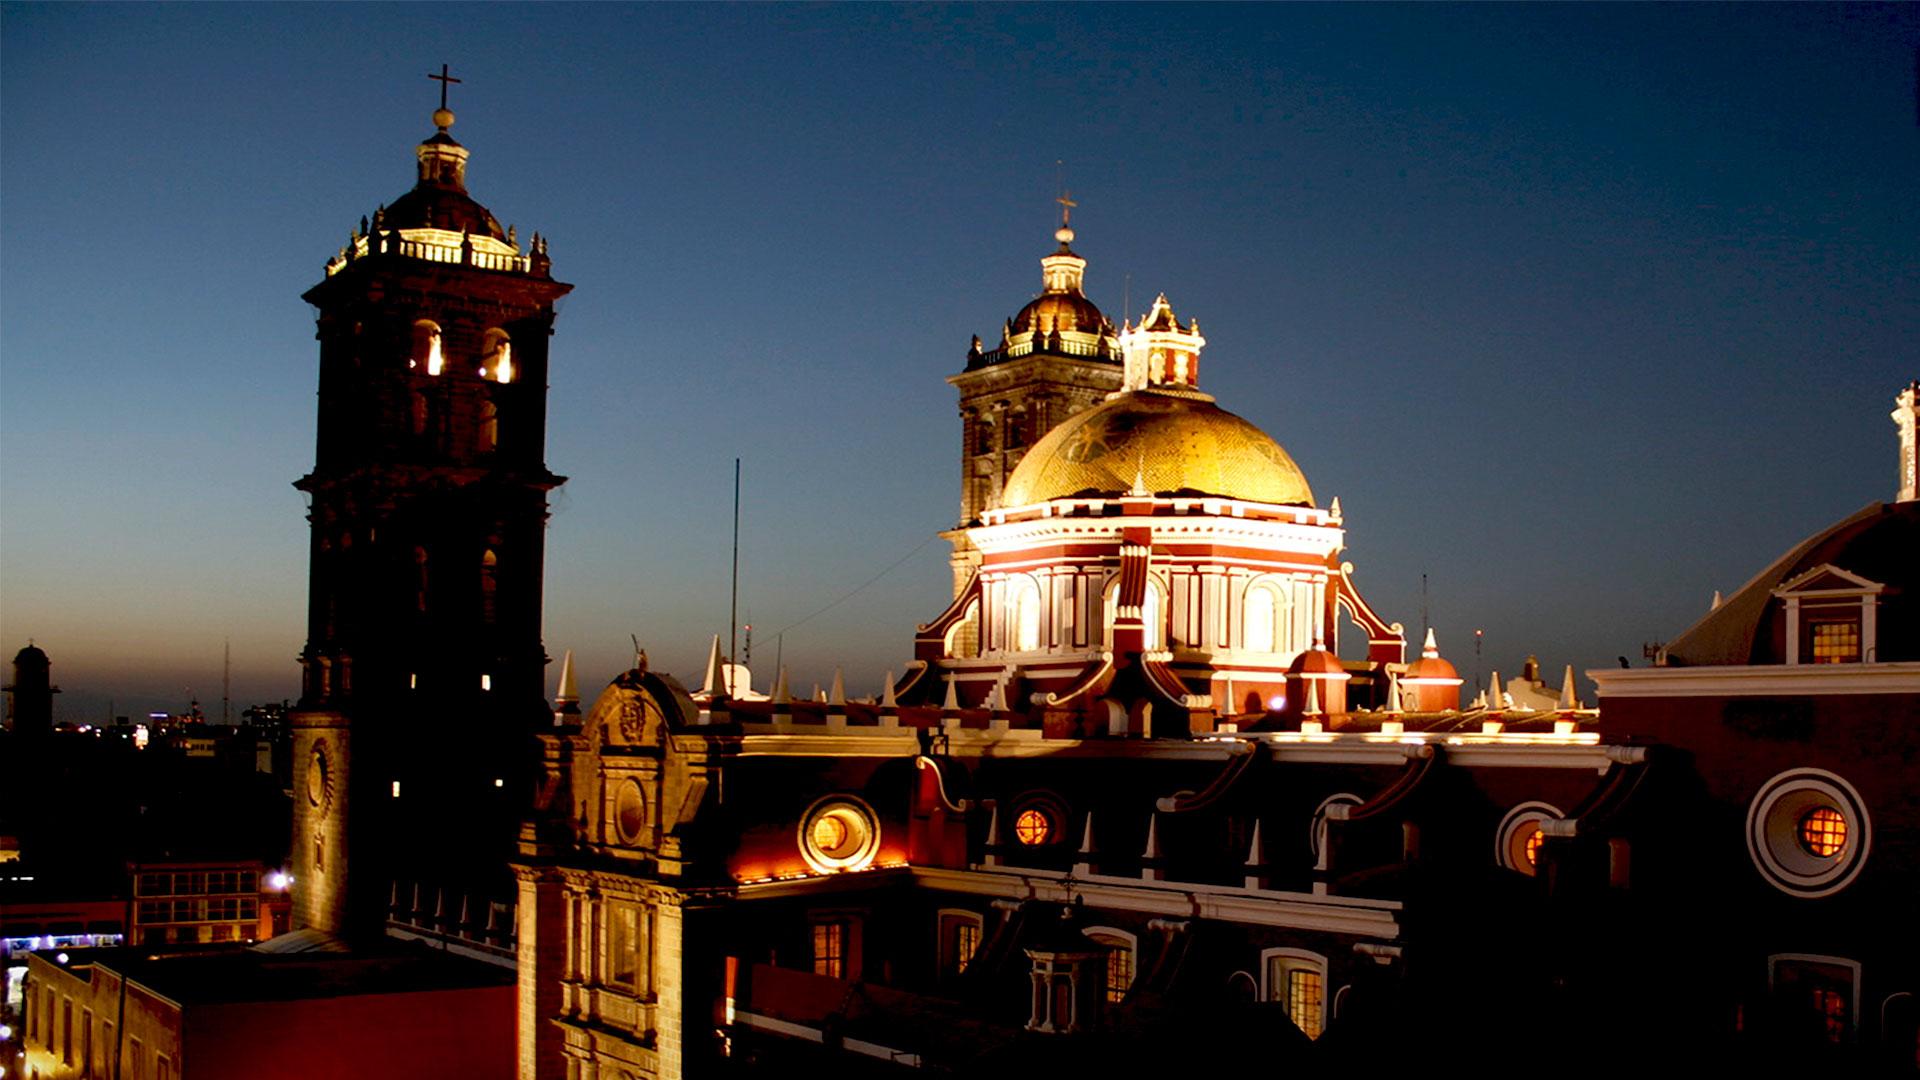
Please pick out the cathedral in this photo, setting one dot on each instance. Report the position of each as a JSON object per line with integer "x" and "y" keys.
{"x": 1131, "y": 804}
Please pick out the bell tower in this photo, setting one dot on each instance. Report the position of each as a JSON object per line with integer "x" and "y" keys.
{"x": 1059, "y": 355}
{"x": 424, "y": 670}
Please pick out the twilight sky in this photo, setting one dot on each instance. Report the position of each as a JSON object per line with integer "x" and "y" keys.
{"x": 1584, "y": 312}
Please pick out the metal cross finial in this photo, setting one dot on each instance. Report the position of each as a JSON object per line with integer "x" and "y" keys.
{"x": 443, "y": 79}
{"x": 1066, "y": 207}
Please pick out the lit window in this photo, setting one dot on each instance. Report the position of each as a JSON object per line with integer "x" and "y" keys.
{"x": 1823, "y": 832}
{"x": 426, "y": 347}
{"x": 1119, "y": 963}
{"x": 1534, "y": 840}
{"x": 1033, "y": 827}
{"x": 1836, "y": 642}
{"x": 1299, "y": 981}
{"x": 966, "y": 941}
{"x": 1258, "y": 635}
{"x": 1304, "y": 993}
{"x": 1818, "y": 991}
{"x": 622, "y": 943}
{"x": 1023, "y": 614}
{"x": 839, "y": 833}
{"x": 1521, "y": 834}
{"x": 830, "y": 834}
{"x": 830, "y": 949}
{"x": 1809, "y": 832}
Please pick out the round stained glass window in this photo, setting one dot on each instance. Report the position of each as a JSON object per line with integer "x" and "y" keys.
{"x": 1033, "y": 827}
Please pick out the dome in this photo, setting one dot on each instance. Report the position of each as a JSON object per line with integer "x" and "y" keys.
{"x": 1173, "y": 441}
{"x": 1876, "y": 543}
{"x": 440, "y": 199}
{"x": 1061, "y": 311}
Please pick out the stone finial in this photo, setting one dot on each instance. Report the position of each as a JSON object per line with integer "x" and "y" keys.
{"x": 952, "y": 702}
{"x": 887, "y": 699}
{"x": 715, "y": 683}
{"x": 1394, "y": 703}
{"x": 1568, "y": 700}
{"x": 781, "y": 695}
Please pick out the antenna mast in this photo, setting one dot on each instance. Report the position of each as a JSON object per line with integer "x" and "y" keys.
{"x": 226, "y": 681}
{"x": 733, "y": 600}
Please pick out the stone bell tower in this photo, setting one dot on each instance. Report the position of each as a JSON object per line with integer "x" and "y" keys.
{"x": 424, "y": 670}
{"x": 1059, "y": 355}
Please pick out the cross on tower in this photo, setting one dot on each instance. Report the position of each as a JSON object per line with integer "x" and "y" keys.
{"x": 443, "y": 79}
{"x": 1066, "y": 207}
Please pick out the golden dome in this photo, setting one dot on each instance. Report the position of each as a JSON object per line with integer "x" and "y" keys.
{"x": 1062, "y": 311}
{"x": 1173, "y": 441}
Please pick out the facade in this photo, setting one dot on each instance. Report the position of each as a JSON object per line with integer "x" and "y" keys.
{"x": 1127, "y": 801}
{"x": 428, "y": 506}
{"x": 204, "y": 902}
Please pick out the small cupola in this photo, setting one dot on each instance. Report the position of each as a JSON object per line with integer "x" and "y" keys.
{"x": 1160, "y": 351}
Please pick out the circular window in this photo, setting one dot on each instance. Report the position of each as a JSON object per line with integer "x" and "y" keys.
{"x": 1823, "y": 832}
{"x": 630, "y": 810}
{"x": 839, "y": 833}
{"x": 1808, "y": 832}
{"x": 1534, "y": 839}
{"x": 1034, "y": 827}
{"x": 1517, "y": 842}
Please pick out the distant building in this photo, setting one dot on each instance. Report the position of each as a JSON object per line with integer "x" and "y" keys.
{"x": 246, "y": 1014}
{"x": 30, "y": 694}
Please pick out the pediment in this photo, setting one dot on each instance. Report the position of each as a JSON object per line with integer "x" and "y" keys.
{"x": 1827, "y": 579}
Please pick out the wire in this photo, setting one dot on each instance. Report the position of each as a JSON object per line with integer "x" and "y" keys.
{"x": 895, "y": 565}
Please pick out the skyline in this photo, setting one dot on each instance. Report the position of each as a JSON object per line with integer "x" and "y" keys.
{"x": 1614, "y": 302}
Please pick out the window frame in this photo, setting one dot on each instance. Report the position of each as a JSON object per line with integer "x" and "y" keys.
{"x": 1291, "y": 960}
{"x": 1113, "y": 939}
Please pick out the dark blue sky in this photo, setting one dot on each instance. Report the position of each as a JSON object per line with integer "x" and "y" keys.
{"x": 1584, "y": 312}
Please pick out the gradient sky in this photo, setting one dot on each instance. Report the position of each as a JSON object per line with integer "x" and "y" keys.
{"x": 1584, "y": 312}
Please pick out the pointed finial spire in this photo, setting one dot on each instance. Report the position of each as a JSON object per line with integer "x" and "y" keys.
{"x": 715, "y": 683}
{"x": 1086, "y": 836}
{"x": 1153, "y": 837}
{"x": 569, "y": 692}
{"x": 887, "y": 699}
{"x": 781, "y": 695}
{"x": 1568, "y": 702}
{"x": 1257, "y": 850}
{"x": 1496, "y": 698}
{"x": 1431, "y": 649}
{"x": 952, "y": 703}
{"x": 1394, "y": 704}
{"x": 838, "y": 696}
{"x": 1334, "y": 510}
{"x": 1717, "y": 601}
{"x": 1313, "y": 698}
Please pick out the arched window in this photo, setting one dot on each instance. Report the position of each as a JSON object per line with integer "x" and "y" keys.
{"x": 1121, "y": 955}
{"x": 489, "y": 436}
{"x": 489, "y": 583}
{"x": 1023, "y": 615}
{"x": 1257, "y": 629}
{"x": 426, "y": 347}
{"x": 497, "y": 353}
{"x": 1298, "y": 979}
